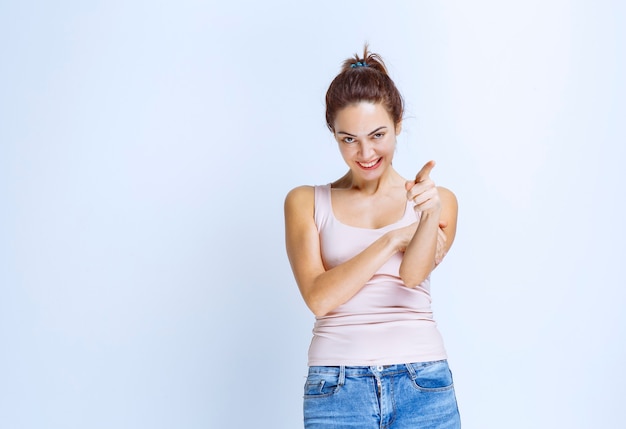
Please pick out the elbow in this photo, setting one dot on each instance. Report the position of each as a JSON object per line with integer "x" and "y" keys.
{"x": 318, "y": 311}
{"x": 318, "y": 302}
{"x": 413, "y": 282}
{"x": 318, "y": 307}
{"x": 412, "y": 278}
{"x": 318, "y": 314}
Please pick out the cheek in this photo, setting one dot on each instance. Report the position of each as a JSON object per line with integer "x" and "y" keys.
{"x": 347, "y": 156}
{"x": 391, "y": 147}
{"x": 345, "y": 150}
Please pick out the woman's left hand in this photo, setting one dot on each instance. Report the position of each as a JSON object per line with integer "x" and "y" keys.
{"x": 423, "y": 192}
{"x": 441, "y": 251}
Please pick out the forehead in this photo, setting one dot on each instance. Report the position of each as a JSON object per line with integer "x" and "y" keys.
{"x": 362, "y": 118}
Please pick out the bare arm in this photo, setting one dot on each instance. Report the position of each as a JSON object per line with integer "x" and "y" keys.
{"x": 324, "y": 290}
{"x": 436, "y": 230}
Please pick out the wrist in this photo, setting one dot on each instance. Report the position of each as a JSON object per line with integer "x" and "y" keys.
{"x": 434, "y": 213}
{"x": 393, "y": 241}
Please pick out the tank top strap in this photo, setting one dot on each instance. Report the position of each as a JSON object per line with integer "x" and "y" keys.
{"x": 322, "y": 205}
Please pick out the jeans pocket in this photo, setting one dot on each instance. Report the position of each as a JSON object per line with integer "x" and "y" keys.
{"x": 433, "y": 376}
{"x": 319, "y": 385}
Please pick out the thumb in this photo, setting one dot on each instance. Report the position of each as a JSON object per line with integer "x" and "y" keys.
{"x": 425, "y": 171}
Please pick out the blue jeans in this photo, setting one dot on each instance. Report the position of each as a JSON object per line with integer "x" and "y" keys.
{"x": 416, "y": 395}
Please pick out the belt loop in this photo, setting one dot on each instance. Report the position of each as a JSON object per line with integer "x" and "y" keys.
{"x": 412, "y": 373}
{"x": 342, "y": 375}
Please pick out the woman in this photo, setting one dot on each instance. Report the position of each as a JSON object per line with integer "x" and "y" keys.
{"x": 362, "y": 249}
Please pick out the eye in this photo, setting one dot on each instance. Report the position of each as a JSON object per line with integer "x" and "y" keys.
{"x": 379, "y": 135}
{"x": 348, "y": 139}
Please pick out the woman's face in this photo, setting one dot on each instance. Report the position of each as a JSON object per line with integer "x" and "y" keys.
{"x": 367, "y": 138}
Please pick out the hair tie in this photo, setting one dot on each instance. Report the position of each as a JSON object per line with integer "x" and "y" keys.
{"x": 359, "y": 64}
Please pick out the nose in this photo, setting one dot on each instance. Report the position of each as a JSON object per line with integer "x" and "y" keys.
{"x": 367, "y": 150}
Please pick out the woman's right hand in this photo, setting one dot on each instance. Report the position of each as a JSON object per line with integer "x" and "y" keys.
{"x": 402, "y": 236}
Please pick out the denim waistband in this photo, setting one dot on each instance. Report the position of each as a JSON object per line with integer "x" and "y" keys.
{"x": 378, "y": 370}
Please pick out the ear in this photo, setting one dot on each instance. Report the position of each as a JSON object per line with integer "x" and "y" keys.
{"x": 398, "y": 128}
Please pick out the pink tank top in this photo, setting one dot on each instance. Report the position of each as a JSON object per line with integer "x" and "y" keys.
{"x": 386, "y": 322}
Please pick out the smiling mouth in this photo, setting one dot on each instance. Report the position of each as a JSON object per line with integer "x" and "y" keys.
{"x": 369, "y": 165}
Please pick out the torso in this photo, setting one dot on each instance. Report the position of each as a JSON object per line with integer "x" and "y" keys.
{"x": 356, "y": 208}
{"x": 385, "y": 322}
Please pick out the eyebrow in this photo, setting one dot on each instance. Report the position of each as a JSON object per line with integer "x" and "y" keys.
{"x": 373, "y": 132}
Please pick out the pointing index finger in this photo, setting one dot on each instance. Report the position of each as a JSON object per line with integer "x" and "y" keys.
{"x": 425, "y": 171}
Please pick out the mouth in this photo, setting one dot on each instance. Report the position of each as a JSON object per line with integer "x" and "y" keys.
{"x": 370, "y": 165}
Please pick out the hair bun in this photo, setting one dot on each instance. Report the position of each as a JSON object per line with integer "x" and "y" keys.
{"x": 368, "y": 60}
{"x": 363, "y": 79}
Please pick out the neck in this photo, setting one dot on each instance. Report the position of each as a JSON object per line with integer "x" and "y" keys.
{"x": 387, "y": 180}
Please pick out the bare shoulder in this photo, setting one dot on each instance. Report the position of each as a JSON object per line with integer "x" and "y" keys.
{"x": 300, "y": 194}
{"x": 447, "y": 197}
{"x": 300, "y": 199}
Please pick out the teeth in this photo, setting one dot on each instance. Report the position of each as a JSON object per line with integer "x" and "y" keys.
{"x": 369, "y": 164}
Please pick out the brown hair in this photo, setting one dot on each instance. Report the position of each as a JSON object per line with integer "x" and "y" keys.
{"x": 363, "y": 79}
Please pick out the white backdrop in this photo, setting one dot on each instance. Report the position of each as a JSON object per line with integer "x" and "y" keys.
{"x": 145, "y": 152}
